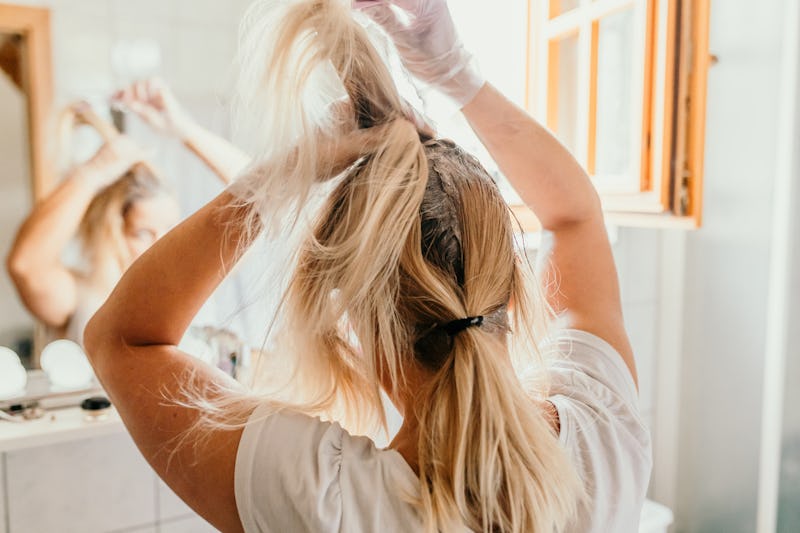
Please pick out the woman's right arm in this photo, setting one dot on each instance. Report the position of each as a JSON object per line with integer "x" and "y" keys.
{"x": 579, "y": 274}
{"x": 45, "y": 285}
{"x": 153, "y": 101}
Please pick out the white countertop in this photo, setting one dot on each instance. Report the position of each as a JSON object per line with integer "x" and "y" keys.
{"x": 58, "y": 425}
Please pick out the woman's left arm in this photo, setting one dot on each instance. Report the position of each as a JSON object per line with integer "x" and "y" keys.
{"x": 132, "y": 345}
{"x": 153, "y": 101}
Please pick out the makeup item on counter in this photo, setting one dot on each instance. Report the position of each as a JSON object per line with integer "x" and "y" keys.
{"x": 96, "y": 408}
{"x": 19, "y": 412}
{"x": 13, "y": 376}
{"x": 33, "y": 412}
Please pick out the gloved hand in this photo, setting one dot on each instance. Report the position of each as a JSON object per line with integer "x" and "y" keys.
{"x": 153, "y": 101}
{"x": 429, "y": 45}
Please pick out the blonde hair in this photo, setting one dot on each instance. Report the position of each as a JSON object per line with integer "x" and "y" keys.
{"x": 102, "y": 228}
{"x": 101, "y": 232}
{"x": 413, "y": 235}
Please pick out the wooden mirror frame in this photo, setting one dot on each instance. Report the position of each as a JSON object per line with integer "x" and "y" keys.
{"x": 33, "y": 24}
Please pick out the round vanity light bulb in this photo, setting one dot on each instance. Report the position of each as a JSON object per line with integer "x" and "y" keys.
{"x": 13, "y": 376}
{"x": 66, "y": 365}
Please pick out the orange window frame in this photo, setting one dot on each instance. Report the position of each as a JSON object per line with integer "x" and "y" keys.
{"x": 670, "y": 142}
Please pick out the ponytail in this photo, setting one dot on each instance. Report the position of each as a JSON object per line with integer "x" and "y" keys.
{"x": 488, "y": 458}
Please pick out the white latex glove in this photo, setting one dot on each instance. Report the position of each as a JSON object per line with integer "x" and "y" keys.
{"x": 428, "y": 45}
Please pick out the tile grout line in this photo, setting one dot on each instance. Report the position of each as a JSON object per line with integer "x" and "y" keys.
{"x": 4, "y": 481}
{"x": 157, "y": 502}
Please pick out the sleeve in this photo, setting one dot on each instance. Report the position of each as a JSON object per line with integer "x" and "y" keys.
{"x": 287, "y": 473}
{"x": 601, "y": 430}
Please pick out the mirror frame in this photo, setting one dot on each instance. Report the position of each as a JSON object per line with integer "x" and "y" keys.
{"x": 33, "y": 23}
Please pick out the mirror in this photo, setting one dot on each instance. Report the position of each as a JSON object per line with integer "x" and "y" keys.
{"x": 17, "y": 325}
{"x": 95, "y": 54}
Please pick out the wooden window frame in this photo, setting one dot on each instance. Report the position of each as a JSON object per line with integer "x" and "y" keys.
{"x": 673, "y": 66}
{"x": 33, "y": 24}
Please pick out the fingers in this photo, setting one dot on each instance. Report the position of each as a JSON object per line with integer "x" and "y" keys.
{"x": 141, "y": 91}
{"x": 418, "y": 119}
{"x": 145, "y": 111}
{"x": 86, "y": 115}
{"x": 148, "y": 91}
{"x": 114, "y": 158}
{"x": 381, "y": 13}
{"x": 414, "y": 7}
{"x": 362, "y": 4}
{"x": 337, "y": 154}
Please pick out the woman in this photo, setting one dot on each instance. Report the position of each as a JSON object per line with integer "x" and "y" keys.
{"x": 408, "y": 282}
{"x": 115, "y": 204}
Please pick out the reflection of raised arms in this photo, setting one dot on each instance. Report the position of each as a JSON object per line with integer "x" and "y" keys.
{"x": 154, "y": 103}
{"x": 46, "y": 286}
{"x": 543, "y": 172}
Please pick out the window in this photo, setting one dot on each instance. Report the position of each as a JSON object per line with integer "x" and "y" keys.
{"x": 622, "y": 84}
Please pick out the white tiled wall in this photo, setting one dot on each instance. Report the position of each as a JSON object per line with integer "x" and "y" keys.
{"x": 192, "y": 524}
{"x": 99, "y": 485}
{"x": 174, "y": 516}
{"x": 197, "y": 38}
{"x": 637, "y": 254}
{"x": 3, "y": 514}
{"x": 91, "y": 485}
{"x": 170, "y": 506}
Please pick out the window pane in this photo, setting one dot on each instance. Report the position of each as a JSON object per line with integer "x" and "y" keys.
{"x": 562, "y": 106}
{"x": 558, "y": 7}
{"x": 615, "y": 110}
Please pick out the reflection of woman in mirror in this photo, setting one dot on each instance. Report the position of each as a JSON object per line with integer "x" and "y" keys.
{"x": 116, "y": 206}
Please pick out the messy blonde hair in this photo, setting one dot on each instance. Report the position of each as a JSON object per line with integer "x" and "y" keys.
{"x": 413, "y": 235}
{"x": 102, "y": 229}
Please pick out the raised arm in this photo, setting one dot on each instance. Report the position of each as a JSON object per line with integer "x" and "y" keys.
{"x": 45, "y": 285}
{"x": 579, "y": 274}
{"x": 153, "y": 101}
{"x": 132, "y": 345}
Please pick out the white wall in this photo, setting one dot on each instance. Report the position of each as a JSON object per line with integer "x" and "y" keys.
{"x": 789, "y": 486}
{"x": 101, "y": 484}
{"x": 15, "y": 202}
{"x": 726, "y": 275}
{"x": 789, "y": 498}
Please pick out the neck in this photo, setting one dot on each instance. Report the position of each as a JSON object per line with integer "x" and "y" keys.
{"x": 406, "y": 442}
{"x": 406, "y": 398}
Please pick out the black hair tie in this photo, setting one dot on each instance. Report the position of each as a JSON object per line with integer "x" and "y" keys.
{"x": 457, "y": 326}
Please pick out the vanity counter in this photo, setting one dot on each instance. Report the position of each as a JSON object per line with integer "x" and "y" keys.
{"x": 57, "y": 426}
